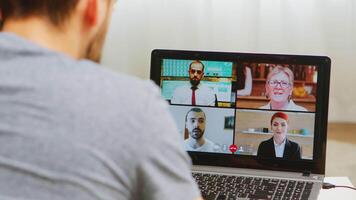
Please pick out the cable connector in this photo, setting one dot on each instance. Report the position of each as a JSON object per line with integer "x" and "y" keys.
{"x": 328, "y": 186}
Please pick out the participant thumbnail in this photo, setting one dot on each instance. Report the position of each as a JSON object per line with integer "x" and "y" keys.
{"x": 198, "y": 82}
{"x": 205, "y": 129}
{"x": 278, "y": 87}
{"x": 275, "y": 134}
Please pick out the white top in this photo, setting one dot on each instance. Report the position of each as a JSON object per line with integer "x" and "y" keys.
{"x": 291, "y": 106}
{"x": 208, "y": 146}
{"x": 204, "y": 96}
{"x": 279, "y": 149}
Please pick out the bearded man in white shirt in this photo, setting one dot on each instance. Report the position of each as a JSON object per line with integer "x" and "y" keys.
{"x": 196, "y": 93}
{"x": 195, "y": 122}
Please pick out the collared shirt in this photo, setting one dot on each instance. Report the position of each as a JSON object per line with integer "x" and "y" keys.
{"x": 291, "y": 106}
{"x": 279, "y": 148}
{"x": 204, "y": 95}
{"x": 208, "y": 146}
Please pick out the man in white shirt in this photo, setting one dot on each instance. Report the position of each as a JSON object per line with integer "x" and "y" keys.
{"x": 195, "y": 124}
{"x": 196, "y": 93}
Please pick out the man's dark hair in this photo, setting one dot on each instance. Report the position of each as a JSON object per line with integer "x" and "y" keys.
{"x": 195, "y": 61}
{"x": 55, "y": 10}
{"x": 194, "y": 110}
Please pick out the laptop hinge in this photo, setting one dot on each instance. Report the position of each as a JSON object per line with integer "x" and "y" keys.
{"x": 306, "y": 173}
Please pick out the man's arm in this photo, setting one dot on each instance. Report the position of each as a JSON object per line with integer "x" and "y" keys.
{"x": 175, "y": 97}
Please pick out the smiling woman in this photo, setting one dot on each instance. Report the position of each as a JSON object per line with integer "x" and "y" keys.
{"x": 279, "y": 87}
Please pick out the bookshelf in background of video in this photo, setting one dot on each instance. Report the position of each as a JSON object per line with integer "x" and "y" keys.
{"x": 304, "y": 90}
{"x": 304, "y": 76}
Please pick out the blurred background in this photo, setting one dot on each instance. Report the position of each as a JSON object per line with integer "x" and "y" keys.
{"x": 312, "y": 27}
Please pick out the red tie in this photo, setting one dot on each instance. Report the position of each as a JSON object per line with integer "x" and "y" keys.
{"x": 193, "y": 97}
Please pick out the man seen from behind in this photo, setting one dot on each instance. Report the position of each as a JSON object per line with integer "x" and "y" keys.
{"x": 70, "y": 129}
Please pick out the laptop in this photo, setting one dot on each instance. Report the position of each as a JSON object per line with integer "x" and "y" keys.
{"x": 255, "y": 125}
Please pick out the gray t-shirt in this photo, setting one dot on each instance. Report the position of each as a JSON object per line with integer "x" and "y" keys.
{"x": 73, "y": 130}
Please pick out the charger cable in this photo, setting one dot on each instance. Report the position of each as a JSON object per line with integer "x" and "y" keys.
{"x": 329, "y": 186}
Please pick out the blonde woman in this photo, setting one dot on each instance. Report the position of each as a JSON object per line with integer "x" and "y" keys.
{"x": 279, "y": 88}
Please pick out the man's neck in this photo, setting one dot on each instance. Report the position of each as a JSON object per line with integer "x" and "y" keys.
{"x": 45, "y": 34}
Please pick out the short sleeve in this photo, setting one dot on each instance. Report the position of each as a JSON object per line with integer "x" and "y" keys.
{"x": 164, "y": 169}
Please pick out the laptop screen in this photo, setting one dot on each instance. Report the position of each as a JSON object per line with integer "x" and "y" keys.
{"x": 243, "y": 106}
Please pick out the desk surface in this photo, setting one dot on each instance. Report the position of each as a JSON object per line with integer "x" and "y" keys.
{"x": 338, "y": 193}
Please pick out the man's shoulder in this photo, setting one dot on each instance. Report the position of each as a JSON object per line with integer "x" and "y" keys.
{"x": 88, "y": 89}
{"x": 111, "y": 84}
{"x": 187, "y": 147}
{"x": 209, "y": 142}
{"x": 205, "y": 87}
{"x": 208, "y": 146}
{"x": 100, "y": 71}
{"x": 182, "y": 88}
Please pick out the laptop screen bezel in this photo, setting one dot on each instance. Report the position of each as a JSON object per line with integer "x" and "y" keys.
{"x": 317, "y": 165}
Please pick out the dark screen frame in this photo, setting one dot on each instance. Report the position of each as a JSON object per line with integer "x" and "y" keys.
{"x": 317, "y": 165}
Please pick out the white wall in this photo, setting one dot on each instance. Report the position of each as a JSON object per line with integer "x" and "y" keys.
{"x": 320, "y": 27}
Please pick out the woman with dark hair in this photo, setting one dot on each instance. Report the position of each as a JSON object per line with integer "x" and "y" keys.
{"x": 279, "y": 146}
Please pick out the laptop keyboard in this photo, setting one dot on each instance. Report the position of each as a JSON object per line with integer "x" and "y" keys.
{"x": 224, "y": 187}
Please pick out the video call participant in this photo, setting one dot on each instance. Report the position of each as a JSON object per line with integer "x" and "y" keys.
{"x": 279, "y": 146}
{"x": 196, "y": 93}
{"x": 72, "y": 129}
{"x": 279, "y": 88}
{"x": 195, "y": 121}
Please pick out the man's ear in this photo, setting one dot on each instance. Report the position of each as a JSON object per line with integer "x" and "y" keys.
{"x": 91, "y": 12}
